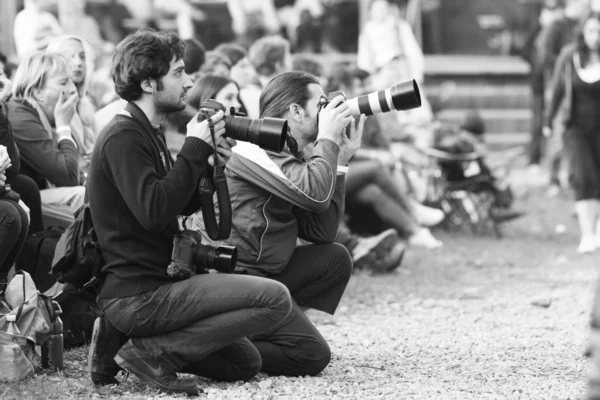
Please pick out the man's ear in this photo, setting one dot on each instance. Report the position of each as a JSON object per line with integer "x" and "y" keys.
{"x": 296, "y": 112}
{"x": 148, "y": 86}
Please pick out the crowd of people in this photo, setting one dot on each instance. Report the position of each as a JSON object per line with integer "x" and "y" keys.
{"x": 114, "y": 124}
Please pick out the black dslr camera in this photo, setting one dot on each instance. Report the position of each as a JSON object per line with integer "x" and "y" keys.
{"x": 268, "y": 133}
{"x": 191, "y": 257}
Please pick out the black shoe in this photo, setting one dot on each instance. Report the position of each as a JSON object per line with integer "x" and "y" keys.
{"x": 106, "y": 342}
{"x": 136, "y": 360}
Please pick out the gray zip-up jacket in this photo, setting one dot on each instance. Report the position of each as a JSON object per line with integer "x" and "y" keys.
{"x": 277, "y": 198}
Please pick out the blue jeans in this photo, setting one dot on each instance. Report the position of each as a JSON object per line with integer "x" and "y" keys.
{"x": 199, "y": 325}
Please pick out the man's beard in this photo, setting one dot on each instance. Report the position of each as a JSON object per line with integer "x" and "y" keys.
{"x": 167, "y": 107}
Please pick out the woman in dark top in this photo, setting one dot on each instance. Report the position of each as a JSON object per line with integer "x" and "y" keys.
{"x": 13, "y": 218}
{"x": 576, "y": 93}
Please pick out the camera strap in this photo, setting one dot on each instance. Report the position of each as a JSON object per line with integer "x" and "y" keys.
{"x": 221, "y": 230}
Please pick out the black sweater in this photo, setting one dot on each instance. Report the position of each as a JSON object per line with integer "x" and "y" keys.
{"x": 7, "y": 139}
{"x": 135, "y": 197}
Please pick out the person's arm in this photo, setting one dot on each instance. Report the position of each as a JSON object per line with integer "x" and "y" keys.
{"x": 57, "y": 162}
{"x": 7, "y": 139}
{"x": 558, "y": 85}
{"x": 552, "y": 45}
{"x": 308, "y": 185}
{"x": 155, "y": 201}
{"x": 322, "y": 228}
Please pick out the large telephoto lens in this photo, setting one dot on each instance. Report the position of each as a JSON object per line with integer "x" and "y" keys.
{"x": 268, "y": 133}
{"x": 400, "y": 97}
{"x": 220, "y": 258}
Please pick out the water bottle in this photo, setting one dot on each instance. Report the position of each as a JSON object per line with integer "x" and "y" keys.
{"x": 52, "y": 349}
{"x": 11, "y": 327}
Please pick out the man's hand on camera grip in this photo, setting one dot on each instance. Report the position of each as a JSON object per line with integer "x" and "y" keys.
{"x": 333, "y": 118}
{"x": 201, "y": 130}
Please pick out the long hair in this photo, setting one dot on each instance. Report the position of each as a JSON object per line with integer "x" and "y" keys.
{"x": 207, "y": 88}
{"x": 85, "y": 108}
{"x": 145, "y": 54}
{"x": 283, "y": 91}
{"x": 582, "y": 49}
{"x": 32, "y": 75}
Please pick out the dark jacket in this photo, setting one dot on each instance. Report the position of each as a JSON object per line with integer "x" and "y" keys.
{"x": 136, "y": 192}
{"x": 7, "y": 139}
{"x": 42, "y": 158}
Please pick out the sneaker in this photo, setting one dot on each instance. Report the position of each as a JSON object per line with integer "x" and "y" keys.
{"x": 136, "y": 360}
{"x": 587, "y": 245}
{"x": 428, "y": 216}
{"x": 393, "y": 259}
{"x": 106, "y": 342}
{"x": 369, "y": 251}
{"x": 424, "y": 238}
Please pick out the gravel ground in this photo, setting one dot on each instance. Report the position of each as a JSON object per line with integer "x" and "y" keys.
{"x": 479, "y": 319}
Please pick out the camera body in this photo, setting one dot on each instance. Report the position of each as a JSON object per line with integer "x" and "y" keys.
{"x": 268, "y": 133}
{"x": 190, "y": 257}
{"x": 324, "y": 101}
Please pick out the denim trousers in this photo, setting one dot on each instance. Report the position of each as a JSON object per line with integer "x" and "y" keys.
{"x": 199, "y": 325}
{"x": 316, "y": 277}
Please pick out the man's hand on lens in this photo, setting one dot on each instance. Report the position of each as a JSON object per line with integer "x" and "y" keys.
{"x": 5, "y": 86}
{"x": 349, "y": 145}
{"x": 333, "y": 118}
{"x": 223, "y": 151}
{"x": 201, "y": 130}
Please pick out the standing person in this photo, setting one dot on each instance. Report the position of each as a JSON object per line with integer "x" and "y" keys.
{"x": 34, "y": 27}
{"x": 136, "y": 193}
{"x": 552, "y": 10}
{"x": 561, "y": 32}
{"x": 576, "y": 88}
{"x": 43, "y": 105}
{"x": 278, "y": 198}
{"x": 253, "y": 19}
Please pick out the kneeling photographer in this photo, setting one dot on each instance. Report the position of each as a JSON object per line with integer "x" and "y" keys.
{"x": 156, "y": 322}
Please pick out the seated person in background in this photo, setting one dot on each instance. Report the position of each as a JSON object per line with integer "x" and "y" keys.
{"x": 80, "y": 57}
{"x": 194, "y": 57}
{"x": 14, "y": 222}
{"x": 26, "y": 188}
{"x": 137, "y": 192}
{"x": 270, "y": 56}
{"x": 223, "y": 90}
{"x": 372, "y": 180}
{"x": 242, "y": 71}
{"x": 279, "y": 197}
{"x": 216, "y": 64}
{"x": 43, "y": 105}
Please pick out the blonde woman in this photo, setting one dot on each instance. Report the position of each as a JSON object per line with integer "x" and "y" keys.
{"x": 80, "y": 57}
{"x": 43, "y": 106}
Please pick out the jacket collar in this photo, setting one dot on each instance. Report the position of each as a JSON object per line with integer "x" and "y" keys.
{"x": 138, "y": 115}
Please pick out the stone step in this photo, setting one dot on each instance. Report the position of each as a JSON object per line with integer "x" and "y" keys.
{"x": 450, "y": 95}
{"x": 496, "y": 120}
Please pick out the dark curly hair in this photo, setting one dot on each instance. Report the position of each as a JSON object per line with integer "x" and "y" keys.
{"x": 145, "y": 54}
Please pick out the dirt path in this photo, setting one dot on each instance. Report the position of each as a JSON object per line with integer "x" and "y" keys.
{"x": 480, "y": 319}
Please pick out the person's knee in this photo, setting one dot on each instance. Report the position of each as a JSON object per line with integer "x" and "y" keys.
{"x": 342, "y": 261}
{"x": 10, "y": 219}
{"x": 279, "y": 298}
{"x": 313, "y": 357}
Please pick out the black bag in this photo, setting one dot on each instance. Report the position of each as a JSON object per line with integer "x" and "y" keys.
{"x": 36, "y": 257}
{"x": 79, "y": 311}
{"x": 78, "y": 258}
